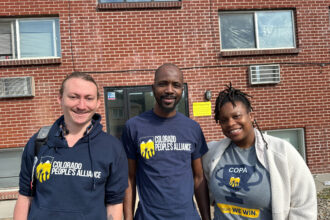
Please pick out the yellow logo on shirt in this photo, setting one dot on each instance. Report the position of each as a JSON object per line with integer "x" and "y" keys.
{"x": 147, "y": 149}
{"x": 236, "y": 210}
{"x": 44, "y": 168}
{"x": 234, "y": 182}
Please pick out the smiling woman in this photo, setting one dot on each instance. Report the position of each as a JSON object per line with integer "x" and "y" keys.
{"x": 251, "y": 174}
{"x": 237, "y": 123}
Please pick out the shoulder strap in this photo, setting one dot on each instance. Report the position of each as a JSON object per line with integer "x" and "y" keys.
{"x": 41, "y": 139}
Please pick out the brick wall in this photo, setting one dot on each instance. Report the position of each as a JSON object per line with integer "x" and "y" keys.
{"x": 122, "y": 44}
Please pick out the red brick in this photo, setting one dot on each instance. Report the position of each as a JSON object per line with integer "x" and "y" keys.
{"x": 186, "y": 34}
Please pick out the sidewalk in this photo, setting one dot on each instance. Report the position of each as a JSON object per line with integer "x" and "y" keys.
{"x": 7, "y": 206}
{"x": 322, "y": 181}
{"x": 6, "y": 209}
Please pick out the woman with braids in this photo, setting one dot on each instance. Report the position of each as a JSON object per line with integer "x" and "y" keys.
{"x": 251, "y": 175}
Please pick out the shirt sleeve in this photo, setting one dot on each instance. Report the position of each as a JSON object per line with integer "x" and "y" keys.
{"x": 118, "y": 178}
{"x": 25, "y": 176}
{"x": 201, "y": 146}
{"x": 303, "y": 204}
{"x": 128, "y": 143}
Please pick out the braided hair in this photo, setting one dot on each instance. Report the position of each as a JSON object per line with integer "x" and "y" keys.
{"x": 232, "y": 95}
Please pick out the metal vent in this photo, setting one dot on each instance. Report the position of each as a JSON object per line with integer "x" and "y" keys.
{"x": 264, "y": 74}
{"x": 16, "y": 87}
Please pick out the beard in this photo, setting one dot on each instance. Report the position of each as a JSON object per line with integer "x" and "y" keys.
{"x": 168, "y": 108}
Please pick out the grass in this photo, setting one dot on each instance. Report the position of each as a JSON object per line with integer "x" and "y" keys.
{"x": 324, "y": 194}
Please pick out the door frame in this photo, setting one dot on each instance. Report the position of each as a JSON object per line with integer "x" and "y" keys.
{"x": 129, "y": 89}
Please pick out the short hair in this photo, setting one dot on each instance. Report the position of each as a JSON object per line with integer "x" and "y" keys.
{"x": 165, "y": 66}
{"x": 230, "y": 94}
{"x": 79, "y": 75}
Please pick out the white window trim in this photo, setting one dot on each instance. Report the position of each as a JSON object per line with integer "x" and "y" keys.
{"x": 13, "y": 40}
{"x": 302, "y": 150}
{"x": 54, "y": 37}
{"x": 19, "y": 150}
{"x": 17, "y": 55}
{"x": 255, "y": 19}
{"x": 18, "y": 39}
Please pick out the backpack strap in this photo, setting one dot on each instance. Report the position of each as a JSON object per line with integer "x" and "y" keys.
{"x": 41, "y": 139}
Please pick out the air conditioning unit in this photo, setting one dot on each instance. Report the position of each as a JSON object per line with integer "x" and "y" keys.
{"x": 16, "y": 87}
{"x": 264, "y": 74}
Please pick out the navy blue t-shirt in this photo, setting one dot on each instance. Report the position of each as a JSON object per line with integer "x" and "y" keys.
{"x": 164, "y": 149}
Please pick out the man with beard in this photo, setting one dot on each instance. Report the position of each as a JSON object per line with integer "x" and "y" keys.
{"x": 164, "y": 150}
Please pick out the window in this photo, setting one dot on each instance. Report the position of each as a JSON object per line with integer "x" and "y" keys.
{"x": 294, "y": 136}
{"x": 10, "y": 165}
{"x": 112, "y": 1}
{"x": 257, "y": 30}
{"x": 122, "y": 103}
{"x": 29, "y": 38}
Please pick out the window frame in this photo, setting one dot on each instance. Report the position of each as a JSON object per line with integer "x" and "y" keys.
{"x": 14, "y": 177}
{"x": 12, "y": 42}
{"x": 151, "y": 5}
{"x": 255, "y": 23}
{"x": 127, "y": 90}
{"x": 140, "y": 1}
{"x": 16, "y": 36}
{"x": 301, "y": 138}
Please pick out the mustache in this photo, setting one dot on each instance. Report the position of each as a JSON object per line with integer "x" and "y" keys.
{"x": 168, "y": 97}
{"x": 80, "y": 111}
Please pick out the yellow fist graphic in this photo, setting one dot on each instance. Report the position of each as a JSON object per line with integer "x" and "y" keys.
{"x": 43, "y": 170}
{"x": 147, "y": 149}
{"x": 234, "y": 182}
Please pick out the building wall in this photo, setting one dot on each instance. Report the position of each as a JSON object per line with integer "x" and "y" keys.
{"x": 122, "y": 45}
